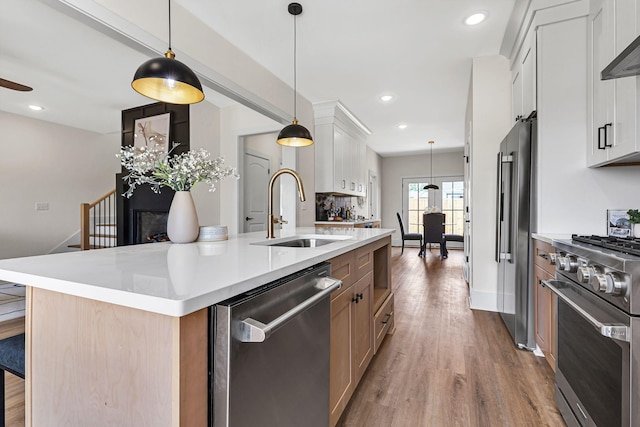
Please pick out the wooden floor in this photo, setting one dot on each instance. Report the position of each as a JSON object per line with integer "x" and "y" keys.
{"x": 447, "y": 365}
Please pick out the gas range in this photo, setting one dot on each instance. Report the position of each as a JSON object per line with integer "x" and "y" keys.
{"x": 607, "y": 266}
{"x": 597, "y": 285}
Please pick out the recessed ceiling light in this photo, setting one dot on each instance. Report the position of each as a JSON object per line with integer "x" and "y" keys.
{"x": 386, "y": 98}
{"x": 402, "y": 126}
{"x": 36, "y": 107}
{"x": 476, "y": 18}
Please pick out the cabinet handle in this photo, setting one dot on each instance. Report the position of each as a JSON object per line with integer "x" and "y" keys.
{"x": 355, "y": 299}
{"x": 385, "y": 321}
{"x": 600, "y": 147}
{"x": 344, "y": 184}
{"x": 605, "y": 135}
{"x": 360, "y": 296}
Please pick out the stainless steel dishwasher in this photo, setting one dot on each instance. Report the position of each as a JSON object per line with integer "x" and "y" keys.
{"x": 270, "y": 356}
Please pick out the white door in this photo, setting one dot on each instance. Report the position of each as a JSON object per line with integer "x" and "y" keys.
{"x": 256, "y": 177}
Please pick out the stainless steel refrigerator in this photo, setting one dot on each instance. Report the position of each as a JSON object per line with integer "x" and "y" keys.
{"x": 514, "y": 224}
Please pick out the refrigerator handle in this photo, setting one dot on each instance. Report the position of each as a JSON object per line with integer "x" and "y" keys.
{"x": 500, "y": 255}
{"x": 499, "y": 207}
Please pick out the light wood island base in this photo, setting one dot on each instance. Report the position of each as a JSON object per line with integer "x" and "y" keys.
{"x": 95, "y": 363}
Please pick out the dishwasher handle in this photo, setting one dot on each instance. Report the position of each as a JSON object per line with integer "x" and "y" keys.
{"x": 251, "y": 330}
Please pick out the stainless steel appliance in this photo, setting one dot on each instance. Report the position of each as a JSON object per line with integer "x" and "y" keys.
{"x": 598, "y": 330}
{"x": 271, "y": 353}
{"x": 514, "y": 226}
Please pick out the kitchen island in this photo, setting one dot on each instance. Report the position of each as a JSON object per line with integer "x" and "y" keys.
{"x": 120, "y": 336}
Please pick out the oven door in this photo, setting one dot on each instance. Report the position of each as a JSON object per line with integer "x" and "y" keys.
{"x": 593, "y": 354}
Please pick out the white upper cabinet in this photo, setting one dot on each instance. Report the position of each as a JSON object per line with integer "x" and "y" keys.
{"x": 612, "y": 120}
{"x": 523, "y": 74}
{"x": 340, "y": 150}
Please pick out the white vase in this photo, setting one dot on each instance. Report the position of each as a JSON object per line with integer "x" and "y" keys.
{"x": 182, "y": 224}
{"x": 636, "y": 230}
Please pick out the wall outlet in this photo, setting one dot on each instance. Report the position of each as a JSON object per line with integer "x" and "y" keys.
{"x": 42, "y": 206}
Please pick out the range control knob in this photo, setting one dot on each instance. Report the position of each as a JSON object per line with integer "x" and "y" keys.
{"x": 599, "y": 282}
{"x": 552, "y": 258}
{"x": 584, "y": 274}
{"x": 570, "y": 264}
{"x": 615, "y": 284}
{"x": 561, "y": 261}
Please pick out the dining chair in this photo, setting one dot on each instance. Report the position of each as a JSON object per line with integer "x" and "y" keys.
{"x": 408, "y": 236}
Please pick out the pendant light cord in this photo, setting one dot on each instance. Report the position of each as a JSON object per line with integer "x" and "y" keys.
{"x": 169, "y": 24}
{"x": 295, "y": 89}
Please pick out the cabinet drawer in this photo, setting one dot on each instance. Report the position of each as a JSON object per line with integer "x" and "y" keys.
{"x": 343, "y": 267}
{"x": 542, "y": 258}
{"x": 364, "y": 261}
{"x": 383, "y": 321}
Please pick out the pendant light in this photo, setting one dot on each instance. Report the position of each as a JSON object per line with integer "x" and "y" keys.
{"x": 167, "y": 79}
{"x": 431, "y": 186}
{"x": 294, "y": 135}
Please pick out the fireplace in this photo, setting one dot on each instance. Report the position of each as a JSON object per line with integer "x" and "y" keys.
{"x": 150, "y": 227}
{"x": 142, "y": 218}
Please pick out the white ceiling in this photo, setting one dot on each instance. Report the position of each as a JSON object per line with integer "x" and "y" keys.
{"x": 353, "y": 51}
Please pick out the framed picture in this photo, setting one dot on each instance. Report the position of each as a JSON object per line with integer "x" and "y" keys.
{"x": 151, "y": 131}
{"x": 618, "y": 224}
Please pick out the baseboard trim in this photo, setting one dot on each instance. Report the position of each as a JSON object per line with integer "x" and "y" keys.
{"x": 483, "y": 300}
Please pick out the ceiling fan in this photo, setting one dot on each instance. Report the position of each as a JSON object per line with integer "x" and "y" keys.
{"x": 14, "y": 86}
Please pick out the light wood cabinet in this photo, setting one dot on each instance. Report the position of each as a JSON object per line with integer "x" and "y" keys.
{"x": 361, "y": 315}
{"x": 612, "y": 104}
{"x": 544, "y": 302}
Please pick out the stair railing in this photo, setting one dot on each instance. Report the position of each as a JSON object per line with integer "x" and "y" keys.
{"x": 98, "y": 223}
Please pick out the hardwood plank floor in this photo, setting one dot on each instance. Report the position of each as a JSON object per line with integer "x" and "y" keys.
{"x": 447, "y": 365}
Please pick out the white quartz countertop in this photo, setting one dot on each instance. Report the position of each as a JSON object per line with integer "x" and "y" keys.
{"x": 550, "y": 237}
{"x": 178, "y": 279}
{"x": 360, "y": 221}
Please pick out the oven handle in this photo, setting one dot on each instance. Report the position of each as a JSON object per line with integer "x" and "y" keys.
{"x": 613, "y": 331}
{"x": 252, "y": 330}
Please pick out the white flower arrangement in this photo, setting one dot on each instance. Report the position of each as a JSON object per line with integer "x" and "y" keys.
{"x": 156, "y": 167}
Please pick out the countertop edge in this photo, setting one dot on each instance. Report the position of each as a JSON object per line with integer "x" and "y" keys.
{"x": 550, "y": 237}
{"x": 181, "y": 307}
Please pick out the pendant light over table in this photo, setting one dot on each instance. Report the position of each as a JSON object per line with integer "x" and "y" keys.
{"x": 167, "y": 79}
{"x": 431, "y": 185}
{"x": 294, "y": 135}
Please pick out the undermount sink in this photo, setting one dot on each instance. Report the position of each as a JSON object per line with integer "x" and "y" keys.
{"x": 310, "y": 241}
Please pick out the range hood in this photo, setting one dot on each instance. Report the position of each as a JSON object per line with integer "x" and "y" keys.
{"x": 624, "y": 65}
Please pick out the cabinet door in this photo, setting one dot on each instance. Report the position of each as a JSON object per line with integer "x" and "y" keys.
{"x": 340, "y": 150}
{"x": 341, "y": 372}
{"x": 528, "y": 60}
{"x": 363, "y": 324}
{"x": 542, "y": 310}
{"x": 625, "y": 107}
{"x": 516, "y": 91}
{"x": 601, "y": 92}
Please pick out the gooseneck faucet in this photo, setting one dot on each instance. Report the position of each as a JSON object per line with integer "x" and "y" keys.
{"x": 272, "y": 218}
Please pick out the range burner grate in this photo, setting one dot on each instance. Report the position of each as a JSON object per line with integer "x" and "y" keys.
{"x": 620, "y": 244}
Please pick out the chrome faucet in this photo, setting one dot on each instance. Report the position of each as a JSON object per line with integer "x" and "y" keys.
{"x": 273, "y": 219}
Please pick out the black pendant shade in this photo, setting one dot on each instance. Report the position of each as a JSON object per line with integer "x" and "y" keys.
{"x": 294, "y": 135}
{"x": 431, "y": 186}
{"x": 168, "y": 80}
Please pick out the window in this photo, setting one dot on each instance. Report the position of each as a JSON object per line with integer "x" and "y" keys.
{"x": 449, "y": 199}
{"x": 453, "y": 206}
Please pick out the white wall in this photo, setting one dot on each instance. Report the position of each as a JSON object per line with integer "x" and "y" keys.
{"x": 44, "y": 162}
{"x": 490, "y": 121}
{"x": 204, "y": 132}
{"x": 396, "y": 168}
